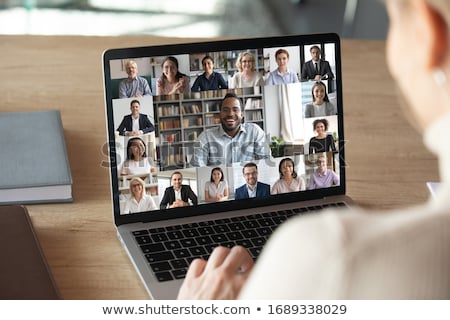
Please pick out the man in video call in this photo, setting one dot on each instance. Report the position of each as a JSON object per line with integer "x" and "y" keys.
{"x": 135, "y": 123}
{"x": 252, "y": 188}
{"x": 233, "y": 141}
{"x": 134, "y": 85}
{"x": 316, "y": 68}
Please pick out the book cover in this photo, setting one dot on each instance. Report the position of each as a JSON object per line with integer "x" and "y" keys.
{"x": 34, "y": 163}
{"x": 24, "y": 272}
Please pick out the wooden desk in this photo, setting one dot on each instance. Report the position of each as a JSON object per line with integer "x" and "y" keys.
{"x": 387, "y": 163}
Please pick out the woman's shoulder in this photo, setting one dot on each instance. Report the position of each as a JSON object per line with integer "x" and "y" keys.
{"x": 278, "y": 182}
{"x": 160, "y": 81}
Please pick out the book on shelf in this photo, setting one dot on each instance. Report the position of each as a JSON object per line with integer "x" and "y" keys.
{"x": 212, "y": 107}
{"x": 168, "y": 111}
{"x": 252, "y": 104}
{"x": 212, "y": 119}
{"x": 169, "y": 137}
{"x": 36, "y": 167}
{"x": 167, "y": 124}
{"x": 193, "y": 108}
{"x": 192, "y": 135}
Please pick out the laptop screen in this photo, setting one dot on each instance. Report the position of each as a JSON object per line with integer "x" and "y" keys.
{"x": 215, "y": 126}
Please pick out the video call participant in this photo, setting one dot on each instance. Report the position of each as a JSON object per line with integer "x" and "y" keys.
{"x": 289, "y": 180}
{"x": 321, "y": 105}
{"x": 137, "y": 162}
{"x": 139, "y": 200}
{"x": 134, "y": 86}
{"x": 210, "y": 79}
{"x": 316, "y": 68}
{"x": 172, "y": 80}
{"x": 322, "y": 142}
{"x": 135, "y": 123}
{"x": 282, "y": 75}
{"x": 232, "y": 141}
{"x": 178, "y": 194}
{"x": 252, "y": 188}
{"x": 247, "y": 76}
{"x": 216, "y": 189}
{"x": 322, "y": 177}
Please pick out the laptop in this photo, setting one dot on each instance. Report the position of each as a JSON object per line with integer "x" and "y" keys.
{"x": 191, "y": 170}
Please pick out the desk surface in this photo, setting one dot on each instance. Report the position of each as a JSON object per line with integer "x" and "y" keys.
{"x": 387, "y": 163}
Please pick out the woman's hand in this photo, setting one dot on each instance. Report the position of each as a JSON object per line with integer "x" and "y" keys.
{"x": 221, "y": 277}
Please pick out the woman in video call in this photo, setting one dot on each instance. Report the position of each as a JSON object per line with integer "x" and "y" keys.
{"x": 137, "y": 162}
{"x": 178, "y": 194}
{"x": 289, "y": 180}
{"x": 210, "y": 79}
{"x": 282, "y": 75}
{"x": 172, "y": 81}
{"x": 321, "y": 105}
{"x": 139, "y": 200}
{"x": 247, "y": 76}
{"x": 355, "y": 254}
{"x": 322, "y": 142}
{"x": 216, "y": 189}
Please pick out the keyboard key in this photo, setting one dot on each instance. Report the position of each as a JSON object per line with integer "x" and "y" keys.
{"x": 218, "y": 238}
{"x": 204, "y": 240}
{"x": 172, "y": 228}
{"x": 236, "y": 226}
{"x": 228, "y": 244}
{"x": 191, "y": 233}
{"x": 160, "y": 266}
{"x": 234, "y": 235}
{"x": 153, "y": 247}
{"x": 245, "y": 243}
{"x": 187, "y": 243}
{"x": 205, "y": 230}
{"x": 140, "y": 232}
{"x": 221, "y": 228}
{"x": 259, "y": 242}
{"x": 206, "y": 223}
{"x": 210, "y": 247}
{"x": 143, "y": 239}
{"x": 178, "y": 264}
{"x": 264, "y": 232}
{"x": 160, "y": 256}
{"x": 159, "y": 237}
{"x": 181, "y": 253}
{"x": 255, "y": 252}
{"x": 197, "y": 251}
{"x": 267, "y": 222}
{"x": 174, "y": 235}
{"x": 163, "y": 276}
{"x": 189, "y": 225}
{"x": 179, "y": 273}
{"x": 249, "y": 234}
{"x": 251, "y": 224}
{"x": 172, "y": 245}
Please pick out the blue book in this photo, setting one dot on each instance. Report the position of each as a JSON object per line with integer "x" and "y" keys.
{"x": 34, "y": 166}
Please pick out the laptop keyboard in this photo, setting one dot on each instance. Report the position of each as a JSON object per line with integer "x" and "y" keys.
{"x": 170, "y": 250}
